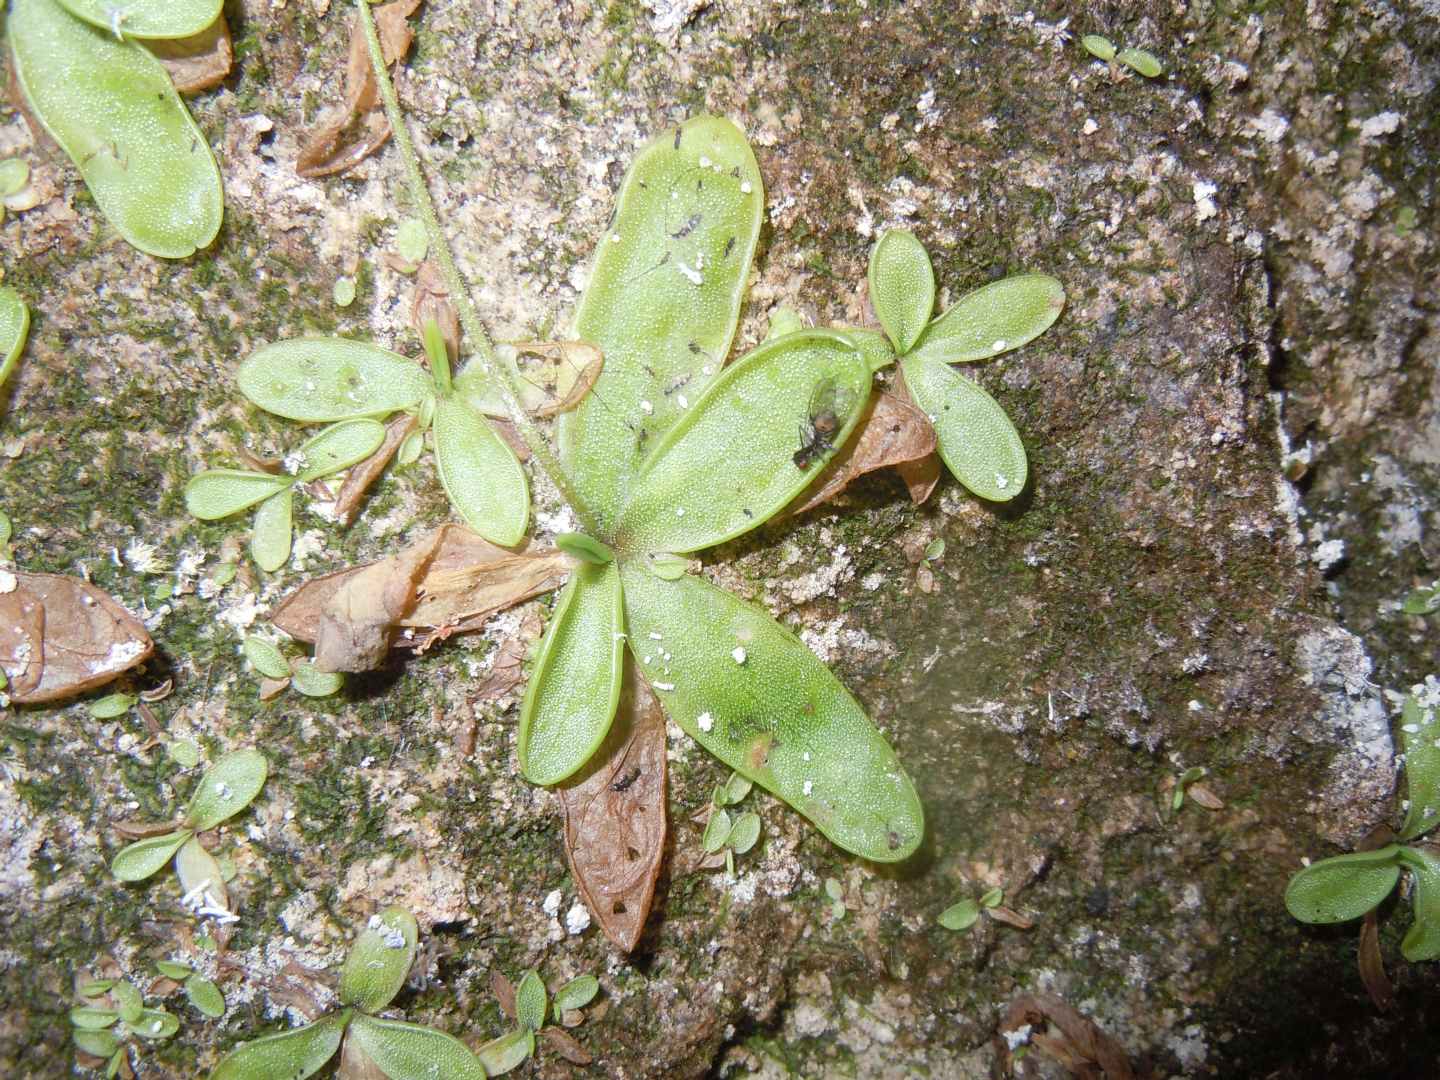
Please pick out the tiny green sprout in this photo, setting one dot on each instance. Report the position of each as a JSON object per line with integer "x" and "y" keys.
{"x": 14, "y": 175}
{"x": 531, "y": 1001}
{"x": 960, "y": 916}
{"x": 530, "y": 1006}
{"x": 1182, "y": 784}
{"x": 1099, "y": 47}
{"x": 411, "y": 241}
{"x": 200, "y": 991}
{"x": 992, "y": 898}
{"x": 935, "y": 549}
{"x": 183, "y": 752}
{"x": 14, "y": 329}
{"x": 576, "y": 994}
{"x": 343, "y": 291}
{"x": 1405, "y": 220}
{"x": 112, "y": 705}
{"x": 1139, "y": 61}
{"x": 224, "y": 574}
{"x": 312, "y": 682}
{"x": 836, "y": 894}
{"x": 266, "y": 658}
{"x": 1422, "y": 601}
{"x": 111, "y": 1030}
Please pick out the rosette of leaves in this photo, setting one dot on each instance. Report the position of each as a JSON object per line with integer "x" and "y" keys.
{"x": 218, "y": 493}
{"x": 113, "y": 1018}
{"x": 373, "y": 974}
{"x": 89, "y": 75}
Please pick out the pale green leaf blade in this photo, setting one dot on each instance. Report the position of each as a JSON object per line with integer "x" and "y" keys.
{"x": 1420, "y": 728}
{"x": 779, "y": 717}
{"x": 327, "y": 379}
{"x": 1146, "y": 63}
{"x": 584, "y": 547}
{"x": 312, "y": 682}
{"x": 902, "y": 286}
{"x": 292, "y": 1054}
{"x": 379, "y": 961}
{"x": 411, "y": 1052}
{"x": 145, "y": 857}
{"x": 91, "y": 1018}
{"x": 338, "y": 447}
{"x": 1099, "y": 47}
{"x": 744, "y": 833}
{"x": 974, "y": 436}
{"x": 218, "y": 493}
{"x": 873, "y": 345}
{"x": 205, "y": 996}
{"x": 200, "y": 875}
{"x": 485, "y": 482}
{"x": 14, "y": 329}
{"x": 575, "y": 686}
{"x": 112, "y": 107}
{"x": 100, "y": 1043}
{"x": 993, "y": 319}
{"x": 147, "y": 18}
{"x": 156, "y": 1024}
{"x": 266, "y": 658}
{"x": 1344, "y": 887}
{"x": 749, "y": 445}
{"x": 129, "y": 1001}
{"x": 530, "y": 1001}
{"x": 1422, "y": 940}
{"x": 960, "y": 916}
{"x": 227, "y": 787}
{"x": 271, "y": 532}
{"x": 576, "y": 994}
{"x": 717, "y": 832}
{"x": 172, "y": 969}
{"x": 112, "y": 705}
{"x": 663, "y": 300}
{"x": 507, "y": 1052}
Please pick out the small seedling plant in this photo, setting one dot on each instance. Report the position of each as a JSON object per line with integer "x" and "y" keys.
{"x": 530, "y": 1005}
{"x": 727, "y": 835}
{"x": 114, "y": 1020}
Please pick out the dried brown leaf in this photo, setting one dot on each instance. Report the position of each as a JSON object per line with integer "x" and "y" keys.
{"x": 506, "y": 430}
{"x": 138, "y": 830}
{"x": 360, "y": 477}
{"x": 615, "y": 816}
{"x": 504, "y": 991}
{"x": 1083, "y": 1043}
{"x": 60, "y": 636}
{"x": 270, "y": 688}
{"x": 355, "y": 1064}
{"x": 158, "y": 693}
{"x": 432, "y": 303}
{"x": 359, "y": 619}
{"x": 563, "y": 371}
{"x": 564, "y": 1044}
{"x": 572, "y": 1018}
{"x": 1010, "y": 917}
{"x": 1203, "y": 796}
{"x": 920, "y": 476}
{"x": 891, "y": 432}
{"x": 197, "y": 63}
{"x": 350, "y": 134}
{"x": 1372, "y": 964}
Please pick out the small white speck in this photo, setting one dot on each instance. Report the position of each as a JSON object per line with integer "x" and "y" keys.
{"x": 708, "y": 369}
{"x": 1090, "y": 127}
{"x": 808, "y": 788}
{"x": 648, "y": 659}
{"x": 1413, "y": 729}
{"x": 656, "y": 637}
{"x": 705, "y": 721}
{"x": 663, "y": 685}
{"x": 745, "y": 188}
{"x": 577, "y": 918}
{"x": 614, "y": 237}
{"x": 667, "y": 657}
{"x": 8, "y": 582}
{"x": 551, "y": 906}
{"x": 806, "y": 755}
{"x": 739, "y": 655}
{"x": 223, "y": 790}
{"x": 683, "y": 400}
{"x": 704, "y": 162}
{"x": 646, "y": 408}
{"x": 679, "y": 511}
{"x": 998, "y": 344}
{"x": 1001, "y": 482}
{"x": 690, "y": 273}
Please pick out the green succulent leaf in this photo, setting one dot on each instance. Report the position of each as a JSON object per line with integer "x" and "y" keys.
{"x": 218, "y": 493}
{"x": 172, "y": 970}
{"x": 128, "y": 1001}
{"x": 112, "y": 705}
{"x": 227, "y": 787}
{"x": 1344, "y": 887}
{"x": 744, "y": 833}
{"x": 1425, "y": 601}
{"x": 205, "y": 996}
{"x": 737, "y": 787}
{"x": 1422, "y": 940}
{"x": 14, "y": 329}
{"x": 312, "y": 682}
{"x": 90, "y": 1018}
{"x": 663, "y": 300}
{"x": 507, "y": 1052}
{"x": 585, "y": 547}
{"x": 96, "y": 987}
{"x": 1420, "y": 728}
{"x": 145, "y": 857}
{"x": 996, "y": 318}
{"x": 155, "y": 1024}
{"x": 379, "y": 961}
{"x": 992, "y": 898}
{"x": 112, "y": 107}
{"x": 717, "y": 831}
{"x": 902, "y": 286}
{"x": 1146, "y": 63}
{"x": 147, "y": 18}
{"x": 873, "y": 345}
{"x": 749, "y": 445}
{"x": 338, "y": 447}
{"x": 321, "y": 380}
{"x": 576, "y": 994}
{"x": 100, "y": 1043}
{"x": 271, "y": 532}
{"x": 530, "y": 1001}
{"x": 960, "y": 916}
{"x": 486, "y": 485}
{"x": 572, "y": 694}
{"x": 292, "y": 1054}
{"x": 200, "y": 874}
{"x": 975, "y": 438}
{"x": 773, "y": 712}
{"x": 1099, "y": 47}
{"x": 266, "y": 658}
{"x": 410, "y": 1052}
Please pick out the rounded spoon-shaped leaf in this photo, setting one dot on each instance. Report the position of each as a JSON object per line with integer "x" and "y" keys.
{"x": 227, "y": 787}
{"x": 996, "y": 318}
{"x": 155, "y": 1024}
{"x": 902, "y": 286}
{"x": 200, "y": 875}
{"x": 271, "y": 532}
{"x": 14, "y": 329}
{"x": 1420, "y": 728}
{"x": 147, "y": 18}
{"x": 576, "y": 994}
{"x": 218, "y": 493}
{"x": 1422, "y": 940}
{"x": 338, "y": 447}
{"x": 205, "y": 996}
{"x": 573, "y": 691}
{"x": 327, "y": 379}
{"x": 139, "y": 860}
{"x": 974, "y": 436}
{"x": 531, "y": 1001}
{"x": 410, "y": 1052}
{"x": 752, "y": 694}
{"x": 291, "y": 1054}
{"x": 379, "y": 961}
{"x": 485, "y": 482}
{"x": 112, "y": 107}
{"x": 752, "y": 442}
{"x": 100, "y": 1043}
{"x": 1344, "y": 887}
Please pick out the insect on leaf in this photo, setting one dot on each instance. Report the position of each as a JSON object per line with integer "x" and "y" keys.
{"x": 576, "y": 994}
{"x": 902, "y": 286}
{"x": 292, "y": 1054}
{"x": 996, "y": 318}
{"x": 530, "y": 1001}
{"x": 1344, "y": 887}
{"x": 780, "y": 717}
{"x": 1420, "y": 727}
{"x": 200, "y": 875}
{"x": 227, "y": 787}
{"x": 891, "y": 432}
{"x": 486, "y": 485}
{"x": 14, "y": 329}
{"x": 749, "y": 445}
{"x": 271, "y": 532}
{"x": 338, "y": 447}
{"x": 111, "y": 106}
{"x": 379, "y": 961}
{"x": 663, "y": 300}
{"x": 403, "y": 1051}
{"x": 147, "y": 18}
{"x": 976, "y": 439}
{"x": 145, "y": 857}
{"x": 572, "y": 694}
{"x": 329, "y": 379}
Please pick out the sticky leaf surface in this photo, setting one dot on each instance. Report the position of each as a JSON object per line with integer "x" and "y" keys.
{"x": 291, "y": 1054}
{"x": 379, "y": 960}
{"x": 227, "y": 787}
{"x": 1420, "y": 728}
{"x": 14, "y": 329}
{"x": 486, "y": 485}
{"x": 338, "y": 447}
{"x": 147, "y": 18}
{"x": 902, "y": 287}
{"x": 218, "y": 493}
{"x": 328, "y": 379}
{"x": 145, "y": 857}
{"x": 996, "y": 318}
{"x": 1422, "y": 940}
{"x": 1343, "y": 887}
{"x": 271, "y": 532}
{"x": 974, "y": 436}
{"x": 410, "y": 1052}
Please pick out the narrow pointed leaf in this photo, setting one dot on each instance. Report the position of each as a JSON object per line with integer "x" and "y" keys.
{"x": 780, "y": 717}
{"x": 1344, "y": 887}
{"x": 1420, "y": 727}
{"x": 1422, "y": 940}
{"x": 14, "y": 329}
{"x": 571, "y": 697}
{"x": 147, "y": 18}
{"x": 752, "y": 442}
{"x": 112, "y": 107}
{"x": 379, "y": 961}
{"x": 411, "y": 1052}
{"x": 227, "y": 787}
{"x": 996, "y": 318}
{"x": 218, "y": 493}
{"x": 663, "y": 299}
{"x": 531, "y": 1001}
{"x": 291, "y": 1054}
{"x": 205, "y": 996}
{"x": 974, "y": 436}
{"x": 338, "y": 447}
{"x": 329, "y": 379}
{"x": 486, "y": 485}
{"x": 902, "y": 287}
{"x": 507, "y": 1052}
{"x": 271, "y": 532}
{"x": 144, "y": 857}
{"x": 576, "y": 994}
{"x": 200, "y": 875}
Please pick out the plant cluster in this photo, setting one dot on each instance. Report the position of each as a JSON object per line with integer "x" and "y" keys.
{"x": 114, "y": 1019}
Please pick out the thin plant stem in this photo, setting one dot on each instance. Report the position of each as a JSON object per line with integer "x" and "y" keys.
{"x": 475, "y": 334}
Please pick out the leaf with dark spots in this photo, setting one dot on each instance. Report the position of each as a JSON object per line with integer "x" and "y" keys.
{"x": 360, "y": 478}
{"x": 614, "y": 832}
{"x": 61, "y": 636}
{"x": 890, "y": 432}
{"x": 196, "y": 63}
